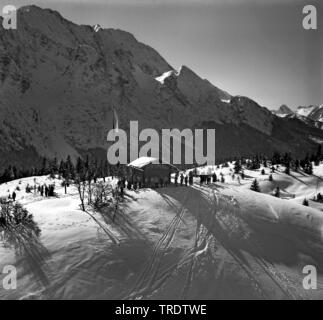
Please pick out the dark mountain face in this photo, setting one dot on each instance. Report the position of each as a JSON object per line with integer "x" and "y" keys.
{"x": 59, "y": 82}
{"x": 283, "y": 111}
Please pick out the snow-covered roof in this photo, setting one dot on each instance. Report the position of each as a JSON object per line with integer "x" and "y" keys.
{"x": 144, "y": 161}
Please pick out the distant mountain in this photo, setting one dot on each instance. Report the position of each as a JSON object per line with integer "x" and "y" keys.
{"x": 283, "y": 111}
{"x": 314, "y": 113}
{"x": 311, "y": 115}
{"x": 59, "y": 82}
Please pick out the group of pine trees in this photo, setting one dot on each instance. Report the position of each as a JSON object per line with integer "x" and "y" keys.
{"x": 290, "y": 163}
{"x": 65, "y": 169}
{"x": 286, "y": 160}
{"x": 305, "y": 164}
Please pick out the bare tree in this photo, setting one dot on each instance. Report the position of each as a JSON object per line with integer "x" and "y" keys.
{"x": 81, "y": 187}
{"x": 102, "y": 195}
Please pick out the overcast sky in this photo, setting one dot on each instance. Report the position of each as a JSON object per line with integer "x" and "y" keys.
{"x": 256, "y": 48}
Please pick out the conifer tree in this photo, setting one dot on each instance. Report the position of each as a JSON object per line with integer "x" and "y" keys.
{"x": 277, "y": 192}
{"x": 305, "y": 203}
{"x": 237, "y": 167}
{"x": 66, "y": 170}
{"x": 106, "y": 170}
{"x": 53, "y": 168}
{"x": 255, "y": 186}
{"x": 80, "y": 168}
{"x": 276, "y": 158}
{"x": 318, "y": 156}
{"x": 297, "y": 165}
{"x": 61, "y": 168}
{"x": 287, "y": 170}
{"x": 44, "y": 169}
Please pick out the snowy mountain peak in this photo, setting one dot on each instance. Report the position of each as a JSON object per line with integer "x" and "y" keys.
{"x": 313, "y": 112}
{"x": 305, "y": 111}
{"x": 285, "y": 109}
{"x": 311, "y": 115}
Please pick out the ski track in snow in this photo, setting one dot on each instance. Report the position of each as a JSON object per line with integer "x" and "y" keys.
{"x": 211, "y": 228}
{"x": 150, "y": 280}
{"x": 147, "y": 279}
{"x": 113, "y": 238}
{"x": 281, "y": 281}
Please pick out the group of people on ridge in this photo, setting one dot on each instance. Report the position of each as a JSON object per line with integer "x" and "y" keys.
{"x": 43, "y": 190}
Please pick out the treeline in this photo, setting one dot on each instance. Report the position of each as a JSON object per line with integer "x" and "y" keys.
{"x": 305, "y": 164}
{"x": 66, "y": 169}
{"x": 91, "y": 167}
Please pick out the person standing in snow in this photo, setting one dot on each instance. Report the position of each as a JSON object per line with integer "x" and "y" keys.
{"x": 190, "y": 179}
{"x": 46, "y": 191}
{"x": 122, "y": 191}
{"x": 176, "y": 178}
{"x": 277, "y": 192}
{"x": 14, "y": 196}
{"x": 186, "y": 180}
{"x": 51, "y": 190}
{"x": 128, "y": 185}
{"x": 182, "y": 179}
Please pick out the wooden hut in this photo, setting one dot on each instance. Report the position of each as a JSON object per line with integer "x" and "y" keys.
{"x": 150, "y": 172}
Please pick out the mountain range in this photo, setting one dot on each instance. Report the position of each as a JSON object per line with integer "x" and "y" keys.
{"x": 311, "y": 115}
{"x": 59, "y": 82}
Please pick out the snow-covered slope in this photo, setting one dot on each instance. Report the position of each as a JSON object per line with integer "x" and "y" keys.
{"x": 305, "y": 111}
{"x": 217, "y": 241}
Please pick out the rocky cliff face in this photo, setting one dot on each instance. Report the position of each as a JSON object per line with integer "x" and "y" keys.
{"x": 59, "y": 82}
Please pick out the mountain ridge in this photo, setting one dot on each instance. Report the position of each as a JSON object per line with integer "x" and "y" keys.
{"x": 311, "y": 115}
{"x": 59, "y": 82}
